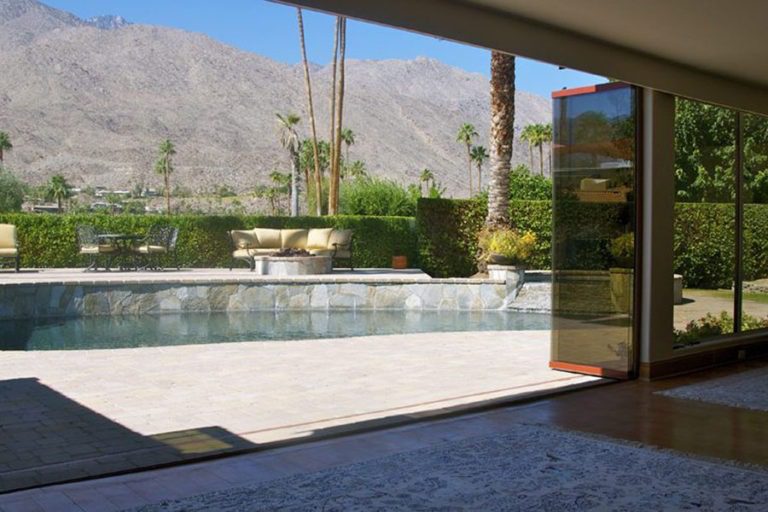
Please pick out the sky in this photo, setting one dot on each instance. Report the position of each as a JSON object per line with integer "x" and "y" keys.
{"x": 270, "y": 29}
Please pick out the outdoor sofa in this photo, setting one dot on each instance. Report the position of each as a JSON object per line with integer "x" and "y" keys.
{"x": 252, "y": 243}
{"x": 9, "y": 246}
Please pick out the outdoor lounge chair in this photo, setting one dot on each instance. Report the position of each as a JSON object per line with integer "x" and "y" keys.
{"x": 92, "y": 248}
{"x": 9, "y": 246}
{"x": 159, "y": 242}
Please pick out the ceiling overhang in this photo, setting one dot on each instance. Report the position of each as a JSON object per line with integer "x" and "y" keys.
{"x": 710, "y": 50}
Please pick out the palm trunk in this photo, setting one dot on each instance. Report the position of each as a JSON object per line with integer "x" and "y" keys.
{"x": 1, "y": 156}
{"x": 469, "y": 161}
{"x": 541, "y": 159}
{"x": 333, "y": 196}
{"x": 166, "y": 177}
{"x": 308, "y": 86}
{"x": 502, "y": 136}
{"x": 530, "y": 152}
{"x": 332, "y": 133}
{"x": 294, "y": 182}
{"x": 479, "y": 177}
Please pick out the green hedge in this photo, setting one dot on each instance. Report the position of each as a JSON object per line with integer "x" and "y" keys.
{"x": 49, "y": 240}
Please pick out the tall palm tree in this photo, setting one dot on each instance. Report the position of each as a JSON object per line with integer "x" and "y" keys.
{"x": 164, "y": 167}
{"x": 465, "y": 135}
{"x": 348, "y": 138}
{"x": 334, "y": 81}
{"x": 529, "y": 135}
{"x": 58, "y": 190}
{"x": 289, "y": 139}
{"x": 333, "y": 193}
{"x": 5, "y": 145}
{"x": 543, "y": 136}
{"x": 479, "y": 156}
{"x": 425, "y": 178}
{"x": 308, "y": 86}
{"x": 502, "y": 136}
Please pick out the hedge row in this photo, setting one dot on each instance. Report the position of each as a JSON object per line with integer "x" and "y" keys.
{"x": 703, "y": 243}
{"x": 50, "y": 240}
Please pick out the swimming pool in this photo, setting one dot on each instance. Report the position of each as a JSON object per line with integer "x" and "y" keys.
{"x": 103, "y": 332}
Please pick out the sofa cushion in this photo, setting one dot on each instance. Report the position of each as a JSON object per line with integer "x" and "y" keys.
{"x": 263, "y": 252}
{"x": 243, "y": 254}
{"x": 318, "y": 238}
{"x": 293, "y": 238}
{"x": 151, "y": 249}
{"x": 244, "y": 239}
{"x": 7, "y": 236}
{"x": 8, "y": 252}
{"x": 321, "y": 252}
{"x": 268, "y": 238}
{"x": 340, "y": 237}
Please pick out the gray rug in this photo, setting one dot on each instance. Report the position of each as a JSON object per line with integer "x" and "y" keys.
{"x": 748, "y": 390}
{"x": 527, "y": 468}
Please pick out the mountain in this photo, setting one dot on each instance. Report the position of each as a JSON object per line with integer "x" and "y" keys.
{"x": 92, "y": 99}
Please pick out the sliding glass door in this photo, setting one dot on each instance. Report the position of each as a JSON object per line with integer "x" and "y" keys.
{"x": 594, "y": 227}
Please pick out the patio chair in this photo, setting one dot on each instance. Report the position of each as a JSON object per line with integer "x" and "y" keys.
{"x": 9, "y": 246}
{"x": 92, "y": 248}
{"x": 159, "y": 242}
{"x": 342, "y": 241}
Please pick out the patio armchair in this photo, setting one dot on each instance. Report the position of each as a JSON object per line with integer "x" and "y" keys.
{"x": 159, "y": 242}
{"x": 9, "y": 246}
{"x": 92, "y": 248}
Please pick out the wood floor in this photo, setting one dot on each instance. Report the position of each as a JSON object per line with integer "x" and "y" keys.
{"x": 629, "y": 411}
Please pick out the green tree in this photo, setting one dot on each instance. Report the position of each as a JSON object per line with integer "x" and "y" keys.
{"x": 543, "y": 136}
{"x": 12, "y": 192}
{"x": 466, "y": 135}
{"x": 348, "y": 138}
{"x": 527, "y": 186}
{"x": 164, "y": 167}
{"x": 479, "y": 155}
{"x": 425, "y": 178}
{"x": 5, "y": 145}
{"x": 278, "y": 189}
{"x": 289, "y": 139}
{"x": 528, "y": 135}
{"x": 58, "y": 190}
{"x": 354, "y": 170}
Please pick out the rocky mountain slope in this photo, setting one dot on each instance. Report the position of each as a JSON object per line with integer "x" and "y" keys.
{"x": 92, "y": 100}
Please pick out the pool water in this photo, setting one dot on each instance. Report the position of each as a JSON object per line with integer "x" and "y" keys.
{"x": 101, "y": 332}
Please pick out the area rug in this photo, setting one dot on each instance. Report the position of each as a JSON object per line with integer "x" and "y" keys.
{"x": 527, "y": 468}
{"x": 748, "y": 390}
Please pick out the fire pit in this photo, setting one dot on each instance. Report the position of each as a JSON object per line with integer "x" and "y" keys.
{"x": 292, "y": 262}
{"x": 292, "y": 253}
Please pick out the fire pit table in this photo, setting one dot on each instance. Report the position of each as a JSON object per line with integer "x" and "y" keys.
{"x": 294, "y": 263}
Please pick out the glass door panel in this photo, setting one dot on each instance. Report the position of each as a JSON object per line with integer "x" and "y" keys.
{"x": 594, "y": 223}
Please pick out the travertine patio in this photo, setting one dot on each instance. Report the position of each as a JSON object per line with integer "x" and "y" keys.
{"x": 75, "y": 414}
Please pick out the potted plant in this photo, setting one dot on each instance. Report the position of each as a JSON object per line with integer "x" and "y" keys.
{"x": 399, "y": 259}
{"x": 622, "y": 274}
{"x": 505, "y": 246}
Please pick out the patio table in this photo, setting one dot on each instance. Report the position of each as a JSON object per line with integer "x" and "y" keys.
{"x": 123, "y": 243}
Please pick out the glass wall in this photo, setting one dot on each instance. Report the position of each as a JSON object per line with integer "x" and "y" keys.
{"x": 705, "y": 216}
{"x": 594, "y": 229}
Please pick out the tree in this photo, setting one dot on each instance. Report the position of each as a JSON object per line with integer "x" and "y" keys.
{"x": 529, "y": 135}
{"x": 275, "y": 192}
{"x": 164, "y": 167}
{"x": 335, "y": 179}
{"x": 58, "y": 190}
{"x": 310, "y": 105}
{"x": 289, "y": 139}
{"x": 425, "y": 178}
{"x": 502, "y": 136}
{"x": 348, "y": 138}
{"x": 465, "y": 135}
{"x": 354, "y": 170}
{"x": 479, "y": 155}
{"x": 11, "y": 192}
{"x": 5, "y": 145}
{"x": 542, "y": 134}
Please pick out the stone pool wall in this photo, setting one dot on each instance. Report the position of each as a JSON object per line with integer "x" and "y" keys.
{"x": 84, "y": 299}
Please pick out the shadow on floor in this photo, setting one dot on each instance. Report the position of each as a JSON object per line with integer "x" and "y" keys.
{"x": 46, "y": 437}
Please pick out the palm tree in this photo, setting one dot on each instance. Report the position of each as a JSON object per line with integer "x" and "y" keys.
{"x": 529, "y": 135}
{"x": 348, "y": 138}
{"x": 289, "y": 139}
{"x": 479, "y": 156}
{"x": 502, "y": 136}
{"x": 58, "y": 190}
{"x": 465, "y": 135}
{"x": 355, "y": 170}
{"x": 5, "y": 145}
{"x": 308, "y": 86}
{"x": 425, "y": 178}
{"x": 333, "y": 192}
{"x": 164, "y": 166}
{"x": 543, "y": 136}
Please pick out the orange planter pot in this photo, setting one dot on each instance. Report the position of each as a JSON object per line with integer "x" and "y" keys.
{"x": 399, "y": 262}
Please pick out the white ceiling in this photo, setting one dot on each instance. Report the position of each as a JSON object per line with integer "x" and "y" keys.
{"x": 724, "y": 37}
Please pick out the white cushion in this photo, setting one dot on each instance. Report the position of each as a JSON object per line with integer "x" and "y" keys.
{"x": 318, "y": 238}
{"x": 268, "y": 238}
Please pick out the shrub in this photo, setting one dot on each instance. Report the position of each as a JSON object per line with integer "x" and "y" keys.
{"x": 711, "y": 326}
{"x": 704, "y": 244}
{"x": 508, "y": 243}
{"x": 375, "y": 196}
{"x": 11, "y": 192}
{"x": 50, "y": 240}
{"x": 523, "y": 185}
